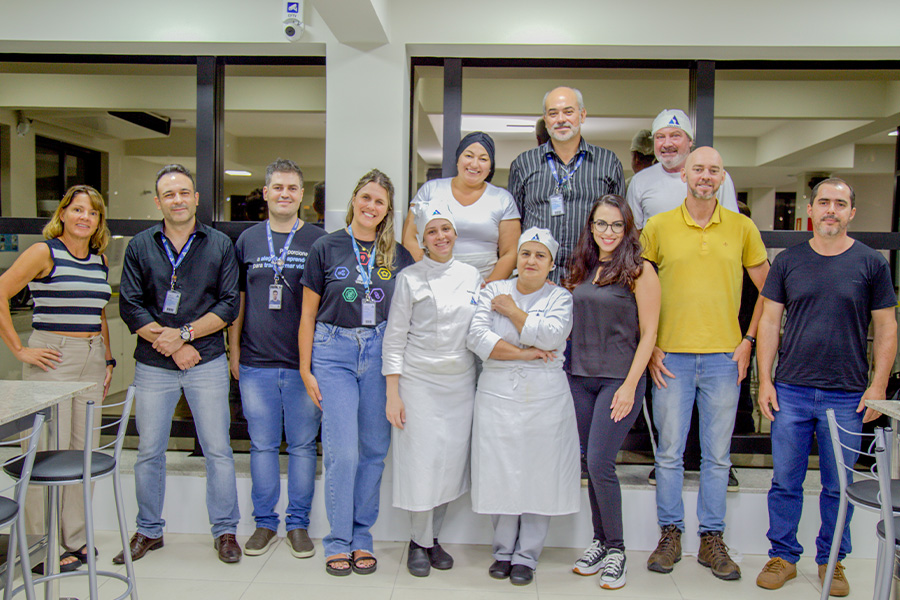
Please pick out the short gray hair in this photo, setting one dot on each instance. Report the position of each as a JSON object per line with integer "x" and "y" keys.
{"x": 578, "y": 97}
{"x": 283, "y": 165}
{"x": 833, "y": 181}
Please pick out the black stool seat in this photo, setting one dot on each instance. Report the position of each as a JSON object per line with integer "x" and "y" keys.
{"x": 880, "y": 529}
{"x": 62, "y": 465}
{"x": 866, "y": 493}
{"x": 8, "y": 510}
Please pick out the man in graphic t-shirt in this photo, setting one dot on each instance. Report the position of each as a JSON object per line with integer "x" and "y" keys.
{"x": 265, "y": 361}
{"x": 831, "y": 288}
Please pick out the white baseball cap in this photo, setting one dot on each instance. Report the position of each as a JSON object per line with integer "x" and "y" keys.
{"x": 673, "y": 117}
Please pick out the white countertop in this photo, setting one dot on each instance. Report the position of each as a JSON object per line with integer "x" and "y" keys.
{"x": 890, "y": 408}
{"x": 22, "y": 398}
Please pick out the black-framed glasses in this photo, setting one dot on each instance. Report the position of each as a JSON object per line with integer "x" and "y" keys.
{"x": 601, "y": 226}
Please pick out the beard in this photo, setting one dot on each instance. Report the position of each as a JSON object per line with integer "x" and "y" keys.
{"x": 672, "y": 163}
{"x": 703, "y": 195}
{"x": 564, "y": 137}
{"x": 829, "y": 230}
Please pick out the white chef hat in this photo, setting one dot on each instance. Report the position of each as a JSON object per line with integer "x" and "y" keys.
{"x": 673, "y": 117}
{"x": 435, "y": 209}
{"x": 542, "y": 236}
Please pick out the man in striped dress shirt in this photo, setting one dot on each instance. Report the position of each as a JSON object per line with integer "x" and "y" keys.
{"x": 556, "y": 183}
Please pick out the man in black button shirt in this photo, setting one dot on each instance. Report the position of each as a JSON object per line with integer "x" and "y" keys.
{"x": 556, "y": 183}
{"x": 179, "y": 290}
{"x": 831, "y": 288}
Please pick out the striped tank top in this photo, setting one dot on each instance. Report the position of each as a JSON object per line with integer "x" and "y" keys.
{"x": 71, "y": 297}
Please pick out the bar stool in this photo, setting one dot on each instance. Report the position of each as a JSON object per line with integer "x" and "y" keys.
{"x": 875, "y": 491}
{"x": 57, "y": 468}
{"x": 12, "y": 511}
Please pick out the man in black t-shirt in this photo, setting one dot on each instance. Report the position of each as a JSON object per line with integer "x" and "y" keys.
{"x": 265, "y": 360}
{"x": 831, "y": 288}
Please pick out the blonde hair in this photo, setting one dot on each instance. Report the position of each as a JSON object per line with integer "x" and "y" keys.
{"x": 55, "y": 227}
{"x": 385, "y": 243}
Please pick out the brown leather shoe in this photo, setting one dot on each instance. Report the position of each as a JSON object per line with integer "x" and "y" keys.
{"x": 229, "y": 550}
{"x": 714, "y": 554}
{"x": 668, "y": 550}
{"x": 140, "y": 545}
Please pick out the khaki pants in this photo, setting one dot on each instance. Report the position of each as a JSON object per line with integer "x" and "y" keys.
{"x": 83, "y": 359}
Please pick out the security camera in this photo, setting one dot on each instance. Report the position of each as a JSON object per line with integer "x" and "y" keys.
{"x": 293, "y": 29}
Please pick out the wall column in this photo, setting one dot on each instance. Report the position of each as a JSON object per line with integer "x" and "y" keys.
{"x": 366, "y": 123}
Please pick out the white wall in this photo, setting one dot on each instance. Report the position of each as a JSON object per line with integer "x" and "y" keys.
{"x": 367, "y": 88}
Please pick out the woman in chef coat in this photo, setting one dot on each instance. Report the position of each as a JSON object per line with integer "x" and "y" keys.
{"x": 525, "y": 456}
{"x": 431, "y": 385}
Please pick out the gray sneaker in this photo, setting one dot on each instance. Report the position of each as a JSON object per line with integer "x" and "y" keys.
{"x": 259, "y": 542}
{"x": 300, "y": 544}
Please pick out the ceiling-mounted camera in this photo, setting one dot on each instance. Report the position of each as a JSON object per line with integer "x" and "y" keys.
{"x": 293, "y": 20}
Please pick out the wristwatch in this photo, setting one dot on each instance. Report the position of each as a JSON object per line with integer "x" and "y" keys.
{"x": 187, "y": 333}
{"x": 750, "y": 339}
{"x": 111, "y": 363}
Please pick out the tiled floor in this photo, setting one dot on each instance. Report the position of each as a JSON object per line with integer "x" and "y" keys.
{"x": 187, "y": 569}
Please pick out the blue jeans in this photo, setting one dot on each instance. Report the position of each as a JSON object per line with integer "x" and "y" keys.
{"x": 356, "y": 434}
{"x": 275, "y": 400}
{"x": 802, "y": 414}
{"x": 158, "y": 391}
{"x": 710, "y": 380}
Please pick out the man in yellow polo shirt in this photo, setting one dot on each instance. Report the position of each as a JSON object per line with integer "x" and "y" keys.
{"x": 700, "y": 250}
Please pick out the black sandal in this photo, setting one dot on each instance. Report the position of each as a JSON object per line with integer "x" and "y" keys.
{"x": 359, "y": 570}
{"x": 331, "y": 569}
{"x": 81, "y": 554}
{"x": 63, "y": 568}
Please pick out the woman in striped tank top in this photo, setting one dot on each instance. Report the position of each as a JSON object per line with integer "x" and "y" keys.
{"x": 67, "y": 276}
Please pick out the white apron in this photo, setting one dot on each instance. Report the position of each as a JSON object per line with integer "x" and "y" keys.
{"x": 525, "y": 455}
{"x": 425, "y": 342}
{"x": 483, "y": 261}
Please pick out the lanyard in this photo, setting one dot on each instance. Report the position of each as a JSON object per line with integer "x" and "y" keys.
{"x": 560, "y": 183}
{"x": 278, "y": 264}
{"x": 366, "y": 276}
{"x": 177, "y": 261}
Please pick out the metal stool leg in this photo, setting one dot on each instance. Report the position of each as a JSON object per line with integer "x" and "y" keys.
{"x": 123, "y": 532}
{"x": 24, "y": 557}
{"x": 51, "y": 563}
{"x": 89, "y": 537}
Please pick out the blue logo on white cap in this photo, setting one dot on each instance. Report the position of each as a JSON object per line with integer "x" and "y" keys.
{"x": 436, "y": 212}
{"x": 674, "y": 121}
{"x": 536, "y": 237}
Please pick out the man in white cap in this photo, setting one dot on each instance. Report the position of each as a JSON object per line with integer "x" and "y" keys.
{"x": 659, "y": 188}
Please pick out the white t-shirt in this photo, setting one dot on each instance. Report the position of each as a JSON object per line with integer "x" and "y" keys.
{"x": 654, "y": 190}
{"x": 477, "y": 225}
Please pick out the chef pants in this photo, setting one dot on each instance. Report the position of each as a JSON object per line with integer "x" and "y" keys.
{"x": 520, "y": 538}
{"x": 425, "y": 525}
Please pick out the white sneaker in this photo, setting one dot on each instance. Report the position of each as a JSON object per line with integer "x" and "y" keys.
{"x": 589, "y": 563}
{"x": 613, "y": 568}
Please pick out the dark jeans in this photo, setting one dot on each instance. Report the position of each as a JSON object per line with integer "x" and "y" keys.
{"x": 601, "y": 438}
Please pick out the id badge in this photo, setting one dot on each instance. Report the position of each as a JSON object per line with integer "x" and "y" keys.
{"x": 170, "y": 306}
{"x": 368, "y": 312}
{"x": 275, "y": 295}
{"x": 556, "y": 205}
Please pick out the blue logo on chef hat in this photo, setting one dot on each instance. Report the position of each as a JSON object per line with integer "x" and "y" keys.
{"x": 536, "y": 238}
{"x": 674, "y": 121}
{"x": 436, "y": 212}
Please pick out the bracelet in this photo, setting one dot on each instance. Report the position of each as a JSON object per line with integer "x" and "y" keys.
{"x": 750, "y": 339}
{"x": 111, "y": 363}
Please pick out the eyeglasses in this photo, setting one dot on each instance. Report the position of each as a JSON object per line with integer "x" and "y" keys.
{"x": 601, "y": 226}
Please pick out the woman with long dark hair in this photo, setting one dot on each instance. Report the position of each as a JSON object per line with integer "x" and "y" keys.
{"x": 616, "y": 312}
{"x": 348, "y": 283}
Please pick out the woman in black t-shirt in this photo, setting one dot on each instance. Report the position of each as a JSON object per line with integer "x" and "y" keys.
{"x": 348, "y": 285}
{"x": 616, "y": 311}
